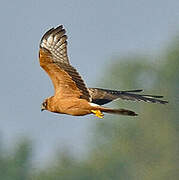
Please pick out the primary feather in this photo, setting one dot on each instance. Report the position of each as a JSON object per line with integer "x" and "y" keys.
{"x": 104, "y": 96}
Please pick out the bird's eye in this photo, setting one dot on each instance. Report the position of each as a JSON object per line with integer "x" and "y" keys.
{"x": 44, "y": 104}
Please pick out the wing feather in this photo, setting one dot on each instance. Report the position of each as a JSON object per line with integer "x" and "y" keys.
{"x": 54, "y": 60}
{"x": 103, "y": 96}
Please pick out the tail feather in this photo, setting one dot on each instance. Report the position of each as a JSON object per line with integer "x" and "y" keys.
{"x": 118, "y": 111}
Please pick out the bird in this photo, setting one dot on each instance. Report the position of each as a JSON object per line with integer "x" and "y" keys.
{"x": 71, "y": 95}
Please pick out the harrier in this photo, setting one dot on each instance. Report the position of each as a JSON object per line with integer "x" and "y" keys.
{"x": 71, "y": 95}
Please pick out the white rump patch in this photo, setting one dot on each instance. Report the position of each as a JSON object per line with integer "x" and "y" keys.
{"x": 93, "y": 104}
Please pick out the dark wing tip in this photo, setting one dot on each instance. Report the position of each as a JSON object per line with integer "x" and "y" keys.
{"x": 55, "y": 41}
{"x": 51, "y": 31}
{"x": 152, "y": 99}
{"x": 45, "y": 36}
{"x": 152, "y": 96}
{"x": 137, "y": 90}
{"x": 57, "y": 29}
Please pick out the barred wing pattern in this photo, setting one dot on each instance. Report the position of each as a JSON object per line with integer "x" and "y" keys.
{"x": 104, "y": 96}
{"x": 54, "y": 42}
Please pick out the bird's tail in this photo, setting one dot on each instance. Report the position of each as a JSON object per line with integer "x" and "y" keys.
{"x": 98, "y": 111}
{"x": 118, "y": 111}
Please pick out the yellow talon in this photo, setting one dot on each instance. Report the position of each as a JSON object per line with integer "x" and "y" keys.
{"x": 98, "y": 113}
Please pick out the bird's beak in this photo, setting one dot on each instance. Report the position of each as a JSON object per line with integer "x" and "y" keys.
{"x": 42, "y": 108}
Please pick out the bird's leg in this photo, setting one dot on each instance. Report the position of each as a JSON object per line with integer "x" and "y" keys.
{"x": 98, "y": 113}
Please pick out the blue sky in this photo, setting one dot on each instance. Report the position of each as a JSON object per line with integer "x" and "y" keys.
{"x": 97, "y": 31}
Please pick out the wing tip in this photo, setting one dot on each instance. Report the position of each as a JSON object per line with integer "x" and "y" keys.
{"x": 46, "y": 35}
{"x": 50, "y": 32}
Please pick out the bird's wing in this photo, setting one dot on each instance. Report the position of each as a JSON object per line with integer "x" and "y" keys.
{"x": 103, "y": 96}
{"x": 54, "y": 60}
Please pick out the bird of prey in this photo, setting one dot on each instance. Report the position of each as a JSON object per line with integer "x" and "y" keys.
{"x": 71, "y": 95}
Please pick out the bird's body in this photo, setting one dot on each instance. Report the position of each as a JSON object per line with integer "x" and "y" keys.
{"x": 71, "y": 94}
{"x": 72, "y": 106}
{"x": 80, "y": 107}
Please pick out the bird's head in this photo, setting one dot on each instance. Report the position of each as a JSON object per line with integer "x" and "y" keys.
{"x": 44, "y": 105}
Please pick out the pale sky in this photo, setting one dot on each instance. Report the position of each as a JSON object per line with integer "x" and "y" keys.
{"x": 97, "y": 30}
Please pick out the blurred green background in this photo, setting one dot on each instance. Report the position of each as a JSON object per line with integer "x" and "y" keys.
{"x": 141, "y": 148}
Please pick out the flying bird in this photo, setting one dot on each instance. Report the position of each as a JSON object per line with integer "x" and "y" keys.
{"x": 71, "y": 95}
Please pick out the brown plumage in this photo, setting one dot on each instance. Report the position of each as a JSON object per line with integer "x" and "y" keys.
{"x": 71, "y": 94}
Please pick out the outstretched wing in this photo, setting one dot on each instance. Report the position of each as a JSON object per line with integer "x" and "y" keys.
{"x": 103, "y": 96}
{"x": 54, "y": 60}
